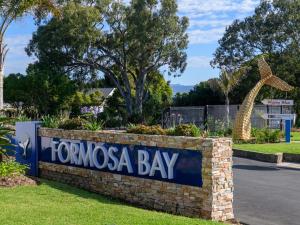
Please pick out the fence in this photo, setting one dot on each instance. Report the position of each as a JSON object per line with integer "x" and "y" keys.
{"x": 179, "y": 115}
{"x": 214, "y": 116}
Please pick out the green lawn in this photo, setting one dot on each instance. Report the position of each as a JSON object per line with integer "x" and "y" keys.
{"x": 295, "y": 136}
{"x": 56, "y": 204}
{"x": 270, "y": 148}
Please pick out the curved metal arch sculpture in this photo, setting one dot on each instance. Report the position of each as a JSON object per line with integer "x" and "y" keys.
{"x": 242, "y": 124}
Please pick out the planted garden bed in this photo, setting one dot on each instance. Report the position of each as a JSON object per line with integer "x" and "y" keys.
{"x": 19, "y": 180}
{"x": 13, "y": 174}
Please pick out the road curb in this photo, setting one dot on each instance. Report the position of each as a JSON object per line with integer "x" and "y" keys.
{"x": 286, "y": 165}
{"x": 271, "y": 158}
{"x": 289, "y": 157}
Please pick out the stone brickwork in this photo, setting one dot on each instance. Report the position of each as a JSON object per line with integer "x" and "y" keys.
{"x": 212, "y": 201}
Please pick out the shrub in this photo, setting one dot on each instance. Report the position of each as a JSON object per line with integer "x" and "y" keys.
{"x": 22, "y": 118}
{"x": 266, "y": 135}
{"x": 50, "y": 121}
{"x": 14, "y": 120}
{"x": 11, "y": 168}
{"x": 143, "y": 129}
{"x": 190, "y": 130}
{"x": 5, "y": 142}
{"x": 221, "y": 133}
{"x": 94, "y": 125}
{"x": 73, "y": 124}
{"x": 214, "y": 124}
{"x": 275, "y": 136}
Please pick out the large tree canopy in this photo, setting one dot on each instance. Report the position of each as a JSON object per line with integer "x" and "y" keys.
{"x": 125, "y": 42}
{"x": 273, "y": 31}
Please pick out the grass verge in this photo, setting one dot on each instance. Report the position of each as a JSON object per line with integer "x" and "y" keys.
{"x": 295, "y": 136}
{"x": 270, "y": 148}
{"x": 54, "y": 203}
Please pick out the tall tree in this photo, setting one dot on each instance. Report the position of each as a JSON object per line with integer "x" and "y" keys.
{"x": 158, "y": 98}
{"x": 273, "y": 31}
{"x": 10, "y": 10}
{"x": 227, "y": 82}
{"x": 126, "y": 42}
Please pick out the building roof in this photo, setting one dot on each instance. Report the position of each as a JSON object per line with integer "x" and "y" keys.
{"x": 106, "y": 92}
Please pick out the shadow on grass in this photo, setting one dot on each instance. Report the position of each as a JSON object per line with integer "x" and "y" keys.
{"x": 81, "y": 192}
{"x": 104, "y": 199}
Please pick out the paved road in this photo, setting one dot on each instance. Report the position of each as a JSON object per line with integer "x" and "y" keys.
{"x": 265, "y": 194}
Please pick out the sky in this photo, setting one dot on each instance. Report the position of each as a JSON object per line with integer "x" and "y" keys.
{"x": 208, "y": 20}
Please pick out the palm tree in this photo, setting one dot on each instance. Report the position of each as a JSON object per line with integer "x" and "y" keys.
{"x": 227, "y": 82}
{"x": 10, "y": 10}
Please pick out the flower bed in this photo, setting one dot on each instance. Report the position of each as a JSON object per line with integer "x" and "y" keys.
{"x": 13, "y": 174}
{"x": 14, "y": 181}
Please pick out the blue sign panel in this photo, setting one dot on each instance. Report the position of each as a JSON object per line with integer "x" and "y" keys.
{"x": 164, "y": 164}
{"x": 26, "y": 145}
{"x": 288, "y": 125}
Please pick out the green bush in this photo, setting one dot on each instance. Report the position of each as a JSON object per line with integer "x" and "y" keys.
{"x": 5, "y": 142}
{"x": 190, "y": 130}
{"x": 14, "y": 120}
{"x": 266, "y": 135}
{"x": 87, "y": 116}
{"x": 143, "y": 129}
{"x": 73, "y": 124}
{"x": 50, "y": 121}
{"x": 221, "y": 133}
{"x": 11, "y": 168}
{"x": 94, "y": 125}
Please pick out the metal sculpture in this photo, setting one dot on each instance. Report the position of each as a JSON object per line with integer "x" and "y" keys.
{"x": 242, "y": 124}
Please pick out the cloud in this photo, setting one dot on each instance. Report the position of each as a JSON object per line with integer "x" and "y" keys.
{"x": 205, "y": 36}
{"x": 17, "y": 44}
{"x": 204, "y": 7}
{"x": 198, "y": 62}
{"x": 17, "y": 59}
{"x": 211, "y": 23}
{"x": 208, "y": 19}
{"x": 17, "y": 65}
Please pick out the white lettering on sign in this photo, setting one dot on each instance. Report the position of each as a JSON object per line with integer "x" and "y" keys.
{"x": 98, "y": 156}
{"x": 143, "y": 162}
{"x": 279, "y": 116}
{"x": 278, "y": 102}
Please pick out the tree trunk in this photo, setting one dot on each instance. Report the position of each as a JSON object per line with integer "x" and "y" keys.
{"x": 227, "y": 111}
{"x": 128, "y": 102}
{"x": 139, "y": 93}
{"x": 1, "y": 89}
{"x": 3, "y": 52}
{"x": 139, "y": 103}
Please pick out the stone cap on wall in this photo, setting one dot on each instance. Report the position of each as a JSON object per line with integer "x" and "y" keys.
{"x": 111, "y": 136}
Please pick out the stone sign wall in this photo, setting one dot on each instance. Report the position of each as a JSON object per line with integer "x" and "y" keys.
{"x": 180, "y": 175}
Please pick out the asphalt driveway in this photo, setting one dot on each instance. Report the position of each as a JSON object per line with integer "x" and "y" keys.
{"x": 265, "y": 194}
